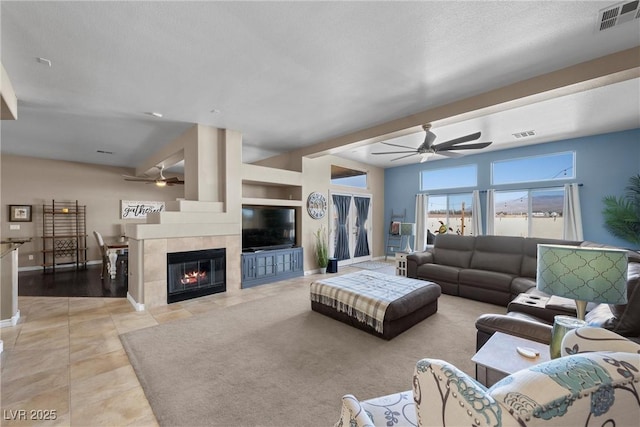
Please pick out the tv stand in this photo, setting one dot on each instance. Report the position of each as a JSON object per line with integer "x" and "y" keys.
{"x": 271, "y": 265}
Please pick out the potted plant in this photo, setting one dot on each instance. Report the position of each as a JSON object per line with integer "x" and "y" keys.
{"x": 622, "y": 215}
{"x": 322, "y": 252}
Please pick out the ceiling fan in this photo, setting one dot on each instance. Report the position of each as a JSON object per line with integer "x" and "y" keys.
{"x": 160, "y": 180}
{"x": 446, "y": 148}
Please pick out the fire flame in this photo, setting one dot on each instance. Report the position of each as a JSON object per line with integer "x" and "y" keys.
{"x": 193, "y": 277}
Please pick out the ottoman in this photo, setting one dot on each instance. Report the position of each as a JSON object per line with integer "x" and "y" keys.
{"x": 377, "y": 303}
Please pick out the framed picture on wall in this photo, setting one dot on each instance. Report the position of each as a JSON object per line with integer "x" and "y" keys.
{"x": 19, "y": 213}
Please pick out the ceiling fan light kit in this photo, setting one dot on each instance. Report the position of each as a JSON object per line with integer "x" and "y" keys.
{"x": 447, "y": 148}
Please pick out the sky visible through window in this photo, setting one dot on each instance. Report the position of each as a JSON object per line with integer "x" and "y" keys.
{"x": 463, "y": 176}
{"x": 536, "y": 168}
{"x": 359, "y": 181}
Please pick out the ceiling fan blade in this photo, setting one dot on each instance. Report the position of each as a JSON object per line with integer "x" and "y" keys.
{"x": 452, "y": 142}
{"x": 396, "y": 145}
{"x": 429, "y": 138}
{"x": 173, "y": 180}
{"x": 404, "y": 157}
{"x": 477, "y": 146}
{"x": 451, "y": 154}
{"x": 137, "y": 179}
{"x": 398, "y": 152}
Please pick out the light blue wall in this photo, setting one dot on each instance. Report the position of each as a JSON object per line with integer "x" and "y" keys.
{"x": 604, "y": 164}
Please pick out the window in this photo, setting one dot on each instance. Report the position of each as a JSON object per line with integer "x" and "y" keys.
{"x": 548, "y": 167}
{"x": 450, "y": 213}
{"x": 458, "y": 177}
{"x": 348, "y": 177}
{"x": 529, "y": 213}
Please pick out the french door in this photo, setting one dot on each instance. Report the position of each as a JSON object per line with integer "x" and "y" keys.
{"x": 350, "y": 235}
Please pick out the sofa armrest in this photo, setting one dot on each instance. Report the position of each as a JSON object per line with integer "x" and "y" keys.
{"x": 588, "y": 339}
{"x": 513, "y": 323}
{"x": 416, "y": 259}
{"x": 353, "y": 414}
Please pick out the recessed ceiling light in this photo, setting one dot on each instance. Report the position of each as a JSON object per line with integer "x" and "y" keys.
{"x": 44, "y": 61}
{"x": 154, "y": 114}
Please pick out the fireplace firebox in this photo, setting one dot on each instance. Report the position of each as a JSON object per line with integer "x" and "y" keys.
{"x": 195, "y": 273}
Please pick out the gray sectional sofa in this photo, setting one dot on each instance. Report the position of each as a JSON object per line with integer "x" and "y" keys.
{"x": 492, "y": 269}
{"x": 496, "y": 269}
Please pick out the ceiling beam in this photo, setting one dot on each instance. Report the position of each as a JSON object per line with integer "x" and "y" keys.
{"x": 606, "y": 70}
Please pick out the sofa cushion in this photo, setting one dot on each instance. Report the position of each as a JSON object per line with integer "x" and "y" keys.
{"x": 453, "y": 250}
{"x": 498, "y": 253}
{"x": 439, "y": 273}
{"x": 530, "y": 253}
{"x": 633, "y": 256}
{"x": 520, "y": 285}
{"x": 628, "y": 315}
{"x": 486, "y": 279}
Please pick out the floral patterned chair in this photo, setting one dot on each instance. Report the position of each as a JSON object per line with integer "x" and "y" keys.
{"x": 585, "y": 387}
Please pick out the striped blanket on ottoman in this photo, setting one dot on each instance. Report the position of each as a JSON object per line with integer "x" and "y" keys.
{"x": 378, "y": 303}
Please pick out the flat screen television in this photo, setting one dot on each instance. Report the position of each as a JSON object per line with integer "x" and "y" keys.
{"x": 268, "y": 227}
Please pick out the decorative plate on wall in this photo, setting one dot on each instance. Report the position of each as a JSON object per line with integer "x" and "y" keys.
{"x": 316, "y": 205}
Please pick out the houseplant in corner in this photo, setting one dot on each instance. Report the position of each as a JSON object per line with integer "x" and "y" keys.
{"x": 322, "y": 252}
{"x": 622, "y": 215}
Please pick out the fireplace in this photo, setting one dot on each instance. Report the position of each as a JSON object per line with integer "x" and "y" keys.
{"x": 195, "y": 273}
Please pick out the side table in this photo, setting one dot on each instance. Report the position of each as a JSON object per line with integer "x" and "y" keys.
{"x": 499, "y": 358}
{"x": 401, "y": 264}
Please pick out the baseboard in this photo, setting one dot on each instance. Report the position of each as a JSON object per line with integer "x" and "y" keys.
{"x": 136, "y": 305}
{"x": 39, "y": 267}
{"x": 6, "y": 323}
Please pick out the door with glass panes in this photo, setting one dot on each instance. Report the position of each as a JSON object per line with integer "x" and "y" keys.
{"x": 350, "y": 225}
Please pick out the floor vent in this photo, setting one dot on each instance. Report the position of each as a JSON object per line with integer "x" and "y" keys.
{"x": 617, "y": 14}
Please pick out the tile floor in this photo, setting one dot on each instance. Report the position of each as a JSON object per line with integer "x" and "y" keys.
{"x": 64, "y": 359}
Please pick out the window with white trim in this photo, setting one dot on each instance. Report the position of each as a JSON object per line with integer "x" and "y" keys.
{"x": 450, "y": 213}
{"x": 529, "y": 213}
{"x": 547, "y": 167}
{"x": 456, "y": 177}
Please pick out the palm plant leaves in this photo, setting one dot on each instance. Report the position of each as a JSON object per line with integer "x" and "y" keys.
{"x": 622, "y": 214}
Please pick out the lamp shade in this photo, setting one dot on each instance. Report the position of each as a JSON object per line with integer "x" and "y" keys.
{"x": 407, "y": 229}
{"x": 585, "y": 274}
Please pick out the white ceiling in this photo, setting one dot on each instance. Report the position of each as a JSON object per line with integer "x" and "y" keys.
{"x": 292, "y": 74}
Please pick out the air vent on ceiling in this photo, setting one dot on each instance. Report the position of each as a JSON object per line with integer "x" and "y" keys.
{"x": 617, "y": 14}
{"x": 524, "y": 134}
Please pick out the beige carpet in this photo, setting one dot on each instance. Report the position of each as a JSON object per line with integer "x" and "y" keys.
{"x": 274, "y": 362}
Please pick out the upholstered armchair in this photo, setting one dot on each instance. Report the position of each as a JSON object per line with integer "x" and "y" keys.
{"x": 592, "y": 388}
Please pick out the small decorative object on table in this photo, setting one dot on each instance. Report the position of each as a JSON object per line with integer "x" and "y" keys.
{"x": 562, "y": 325}
{"x": 408, "y": 229}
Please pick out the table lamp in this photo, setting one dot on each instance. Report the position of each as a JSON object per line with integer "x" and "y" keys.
{"x": 407, "y": 229}
{"x": 584, "y": 274}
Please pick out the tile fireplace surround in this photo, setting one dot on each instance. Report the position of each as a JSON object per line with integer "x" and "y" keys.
{"x": 154, "y": 264}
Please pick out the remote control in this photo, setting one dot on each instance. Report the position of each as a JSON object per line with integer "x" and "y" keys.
{"x": 527, "y": 352}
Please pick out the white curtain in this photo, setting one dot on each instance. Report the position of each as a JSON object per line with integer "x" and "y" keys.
{"x": 571, "y": 213}
{"x": 477, "y": 213}
{"x": 491, "y": 213}
{"x": 421, "y": 222}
